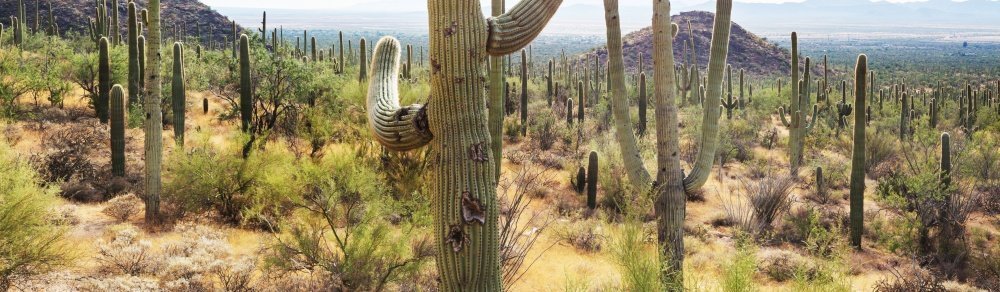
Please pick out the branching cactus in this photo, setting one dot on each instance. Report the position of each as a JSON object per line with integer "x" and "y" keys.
{"x": 844, "y": 109}
{"x": 117, "y": 121}
{"x": 454, "y": 124}
{"x": 729, "y": 103}
{"x": 178, "y": 95}
{"x": 799, "y": 126}
{"x": 857, "y": 197}
{"x": 671, "y": 184}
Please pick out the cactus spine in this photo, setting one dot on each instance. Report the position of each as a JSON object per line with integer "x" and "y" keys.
{"x": 455, "y": 125}
{"x": 117, "y": 131}
{"x": 246, "y": 94}
{"x": 177, "y": 90}
{"x": 592, "y": 171}
{"x": 857, "y": 197}
{"x": 103, "y": 81}
{"x": 154, "y": 117}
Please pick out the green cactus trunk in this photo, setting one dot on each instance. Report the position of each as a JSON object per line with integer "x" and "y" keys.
{"x": 115, "y": 25}
{"x": 178, "y": 95}
{"x": 312, "y": 45}
{"x": 340, "y": 56}
{"x": 154, "y": 118}
{"x": 857, "y": 197}
{"x": 246, "y": 94}
{"x": 641, "y": 129}
{"x": 819, "y": 182}
{"x": 581, "y": 180}
{"x": 103, "y": 81}
{"x": 581, "y": 103}
{"x": 117, "y": 117}
{"x": 463, "y": 177}
{"x": 548, "y": 83}
{"x": 133, "y": 55}
{"x": 498, "y": 93}
{"x": 569, "y": 112}
{"x": 593, "y": 170}
{"x": 362, "y": 64}
{"x": 904, "y": 117}
{"x": 140, "y": 46}
{"x": 524, "y": 94}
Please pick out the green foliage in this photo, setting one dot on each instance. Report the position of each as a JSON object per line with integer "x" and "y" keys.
{"x": 640, "y": 271}
{"x": 30, "y": 244}
{"x": 738, "y": 273}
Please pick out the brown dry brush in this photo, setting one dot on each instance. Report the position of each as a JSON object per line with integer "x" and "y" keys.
{"x": 520, "y": 227}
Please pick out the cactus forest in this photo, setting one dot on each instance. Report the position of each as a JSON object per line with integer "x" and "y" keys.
{"x": 491, "y": 145}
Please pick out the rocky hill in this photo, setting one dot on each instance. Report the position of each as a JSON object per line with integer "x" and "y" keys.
{"x": 746, "y": 50}
{"x": 74, "y": 16}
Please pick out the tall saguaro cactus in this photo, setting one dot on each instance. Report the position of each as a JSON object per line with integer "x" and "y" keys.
{"x": 154, "y": 117}
{"x": 246, "y": 94}
{"x": 857, "y": 197}
{"x": 524, "y": 93}
{"x": 671, "y": 184}
{"x": 117, "y": 131}
{"x": 178, "y": 95}
{"x": 497, "y": 93}
{"x": 592, "y": 172}
{"x": 362, "y": 66}
{"x": 103, "y": 81}
{"x": 133, "y": 54}
{"x": 800, "y": 124}
{"x": 454, "y": 123}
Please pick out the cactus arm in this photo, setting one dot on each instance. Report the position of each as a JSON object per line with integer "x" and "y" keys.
{"x": 397, "y": 128}
{"x": 710, "y": 127}
{"x": 812, "y": 120}
{"x": 515, "y": 29}
{"x": 496, "y": 96}
{"x": 784, "y": 119}
{"x": 637, "y": 173}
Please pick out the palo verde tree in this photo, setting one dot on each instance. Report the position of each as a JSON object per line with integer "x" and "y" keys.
{"x": 671, "y": 184}
{"x": 455, "y": 125}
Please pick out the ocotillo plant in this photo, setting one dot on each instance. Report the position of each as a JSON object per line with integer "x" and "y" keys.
{"x": 177, "y": 90}
{"x": 592, "y": 172}
{"x": 454, "y": 124}
{"x": 844, "y": 109}
{"x": 103, "y": 81}
{"x": 154, "y": 117}
{"x": 857, "y": 197}
{"x": 524, "y": 94}
{"x": 246, "y": 94}
{"x": 117, "y": 121}
{"x": 671, "y": 184}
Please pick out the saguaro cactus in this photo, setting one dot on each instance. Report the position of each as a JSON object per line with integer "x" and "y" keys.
{"x": 581, "y": 180}
{"x": 524, "y": 93}
{"x": 858, "y": 156}
{"x": 641, "y": 129}
{"x": 844, "y": 109}
{"x": 117, "y": 111}
{"x": 729, "y": 103}
{"x": 178, "y": 95}
{"x": 671, "y": 183}
{"x": 154, "y": 117}
{"x": 904, "y": 117}
{"x": 246, "y": 94}
{"x": 133, "y": 54}
{"x": 362, "y": 65}
{"x": 103, "y": 81}
{"x": 569, "y": 111}
{"x": 592, "y": 172}
{"x": 454, "y": 124}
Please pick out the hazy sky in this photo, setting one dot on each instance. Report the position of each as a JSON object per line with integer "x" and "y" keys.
{"x": 418, "y": 5}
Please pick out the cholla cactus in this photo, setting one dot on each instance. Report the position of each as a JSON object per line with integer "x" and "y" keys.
{"x": 454, "y": 124}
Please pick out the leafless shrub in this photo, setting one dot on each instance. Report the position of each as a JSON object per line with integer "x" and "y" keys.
{"x": 520, "y": 228}
{"x": 126, "y": 254}
{"x": 879, "y": 149}
{"x": 913, "y": 280}
{"x": 762, "y": 203}
{"x": 67, "y": 153}
{"x": 123, "y": 207}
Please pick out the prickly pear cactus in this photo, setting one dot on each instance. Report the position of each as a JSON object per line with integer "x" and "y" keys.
{"x": 454, "y": 124}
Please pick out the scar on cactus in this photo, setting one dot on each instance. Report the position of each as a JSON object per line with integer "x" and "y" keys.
{"x": 472, "y": 209}
{"x": 477, "y": 152}
{"x": 457, "y": 237}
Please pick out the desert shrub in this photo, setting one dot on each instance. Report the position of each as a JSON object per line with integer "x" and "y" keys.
{"x": 543, "y": 129}
{"x": 586, "y": 235}
{"x": 252, "y": 191}
{"x": 636, "y": 261}
{"x": 520, "y": 227}
{"x": 68, "y": 152}
{"x": 512, "y": 130}
{"x": 738, "y": 273}
{"x": 120, "y": 283}
{"x": 126, "y": 254}
{"x": 783, "y": 265}
{"x": 816, "y": 230}
{"x": 202, "y": 258}
{"x": 763, "y": 202}
{"x": 123, "y": 207}
{"x": 880, "y": 149}
{"x": 914, "y": 279}
{"x": 30, "y": 244}
{"x": 342, "y": 202}
{"x": 739, "y": 136}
